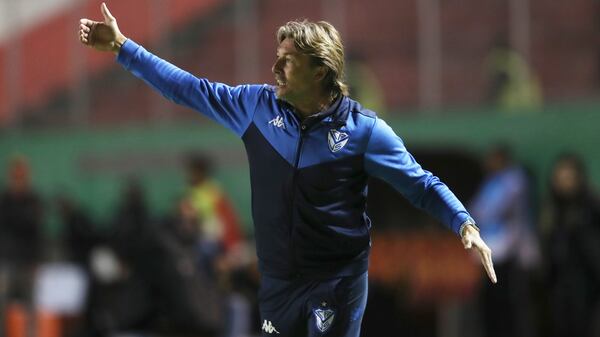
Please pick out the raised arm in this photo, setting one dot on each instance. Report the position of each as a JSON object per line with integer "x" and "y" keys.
{"x": 232, "y": 107}
{"x": 387, "y": 158}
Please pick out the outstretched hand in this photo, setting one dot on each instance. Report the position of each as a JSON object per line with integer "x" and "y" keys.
{"x": 103, "y": 36}
{"x": 471, "y": 238}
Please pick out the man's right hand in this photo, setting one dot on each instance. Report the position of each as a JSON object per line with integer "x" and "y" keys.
{"x": 104, "y": 36}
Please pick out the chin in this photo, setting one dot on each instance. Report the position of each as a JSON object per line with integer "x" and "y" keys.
{"x": 280, "y": 92}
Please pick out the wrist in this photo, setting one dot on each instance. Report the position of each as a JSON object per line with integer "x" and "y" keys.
{"x": 469, "y": 222}
{"x": 119, "y": 41}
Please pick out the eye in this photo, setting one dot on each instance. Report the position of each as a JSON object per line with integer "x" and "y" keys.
{"x": 279, "y": 59}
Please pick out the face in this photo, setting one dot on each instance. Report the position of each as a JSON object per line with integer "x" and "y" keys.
{"x": 297, "y": 79}
{"x": 493, "y": 162}
{"x": 19, "y": 176}
{"x": 566, "y": 180}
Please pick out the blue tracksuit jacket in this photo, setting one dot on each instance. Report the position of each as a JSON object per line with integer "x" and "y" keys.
{"x": 308, "y": 178}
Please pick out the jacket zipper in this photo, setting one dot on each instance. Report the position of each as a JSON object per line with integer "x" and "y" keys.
{"x": 303, "y": 128}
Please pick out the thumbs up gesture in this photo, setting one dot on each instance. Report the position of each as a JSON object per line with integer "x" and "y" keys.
{"x": 103, "y": 36}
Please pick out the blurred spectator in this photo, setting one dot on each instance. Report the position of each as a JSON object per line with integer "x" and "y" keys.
{"x": 120, "y": 296}
{"x": 570, "y": 228}
{"x": 20, "y": 234}
{"x": 363, "y": 83}
{"x": 502, "y": 209}
{"x": 145, "y": 276}
{"x": 132, "y": 228}
{"x": 119, "y": 300}
{"x": 21, "y": 216}
{"x": 79, "y": 233}
{"x": 221, "y": 245}
{"x": 219, "y": 229}
{"x": 513, "y": 86}
{"x": 190, "y": 293}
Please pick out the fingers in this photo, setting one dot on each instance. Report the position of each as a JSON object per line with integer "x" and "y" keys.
{"x": 84, "y": 31}
{"x": 84, "y": 39}
{"x": 106, "y": 13}
{"x": 86, "y": 22}
{"x": 467, "y": 242}
{"x": 485, "y": 253}
{"x": 486, "y": 260}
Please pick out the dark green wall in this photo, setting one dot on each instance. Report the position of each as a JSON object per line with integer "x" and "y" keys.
{"x": 91, "y": 164}
{"x": 537, "y": 138}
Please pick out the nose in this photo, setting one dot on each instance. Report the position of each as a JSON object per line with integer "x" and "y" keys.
{"x": 276, "y": 68}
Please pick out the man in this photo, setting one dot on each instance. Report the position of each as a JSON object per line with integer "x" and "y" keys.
{"x": 20, "y": 235}
{"x": 220, "y": 232}
{"x": 570, "y": 230}
{"x": 311, "y": 150}
{"x": 502, "y": 206}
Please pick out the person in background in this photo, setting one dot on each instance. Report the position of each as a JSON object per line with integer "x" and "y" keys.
{"x": 570, "y": 231}
{"x": 363, "y": 83}
{"x": 79, "y": 231}
{"x": 20, "y": 235}
{"x": 132, "y": 229}
{"x": 154, "y": 286}
{"x": 512, "y": 86}
{"x": 502, "y": 206}
{"x": 219, "y": 229}
{"x": 220, "y": 239}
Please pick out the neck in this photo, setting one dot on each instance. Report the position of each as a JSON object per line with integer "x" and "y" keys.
{"x": 309, "y": 108}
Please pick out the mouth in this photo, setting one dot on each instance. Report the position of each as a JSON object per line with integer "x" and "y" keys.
{"x": 280, "y": 82}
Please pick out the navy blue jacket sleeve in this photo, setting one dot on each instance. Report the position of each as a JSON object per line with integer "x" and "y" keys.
{"x": 386, "y": 158}
{"x": 232, "y": 107}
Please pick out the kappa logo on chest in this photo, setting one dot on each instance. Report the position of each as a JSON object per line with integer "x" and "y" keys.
{"x": 277, "y": 122}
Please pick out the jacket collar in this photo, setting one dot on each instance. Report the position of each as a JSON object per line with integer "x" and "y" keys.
{"x": 335, "y": 115}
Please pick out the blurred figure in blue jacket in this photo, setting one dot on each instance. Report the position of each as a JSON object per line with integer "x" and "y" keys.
{"x": 503, "y": 209}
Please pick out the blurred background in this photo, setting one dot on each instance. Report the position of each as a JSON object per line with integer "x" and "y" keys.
{"x": 122, "y": 214}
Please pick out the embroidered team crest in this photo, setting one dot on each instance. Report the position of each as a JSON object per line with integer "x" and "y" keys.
{"x": 324, "y": 318}
{"x": 336, "y": 140}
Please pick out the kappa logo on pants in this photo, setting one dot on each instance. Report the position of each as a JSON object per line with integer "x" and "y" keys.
{"x": 269, "y": 328}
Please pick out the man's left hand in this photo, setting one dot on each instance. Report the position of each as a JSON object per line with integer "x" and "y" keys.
{"x": 471, "y": 238}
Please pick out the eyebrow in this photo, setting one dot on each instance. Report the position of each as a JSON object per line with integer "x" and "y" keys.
{"x": 279, "y": 52}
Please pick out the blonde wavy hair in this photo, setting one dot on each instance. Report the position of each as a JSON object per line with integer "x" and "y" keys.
{"x": 323, "y": 43}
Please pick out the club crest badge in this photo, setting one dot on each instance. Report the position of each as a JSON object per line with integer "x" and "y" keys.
{"x": 324, "y": 318}
{"x": 336, "y": 140}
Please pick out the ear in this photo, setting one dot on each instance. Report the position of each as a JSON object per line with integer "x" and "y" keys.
{"x": 320, "y": 73}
